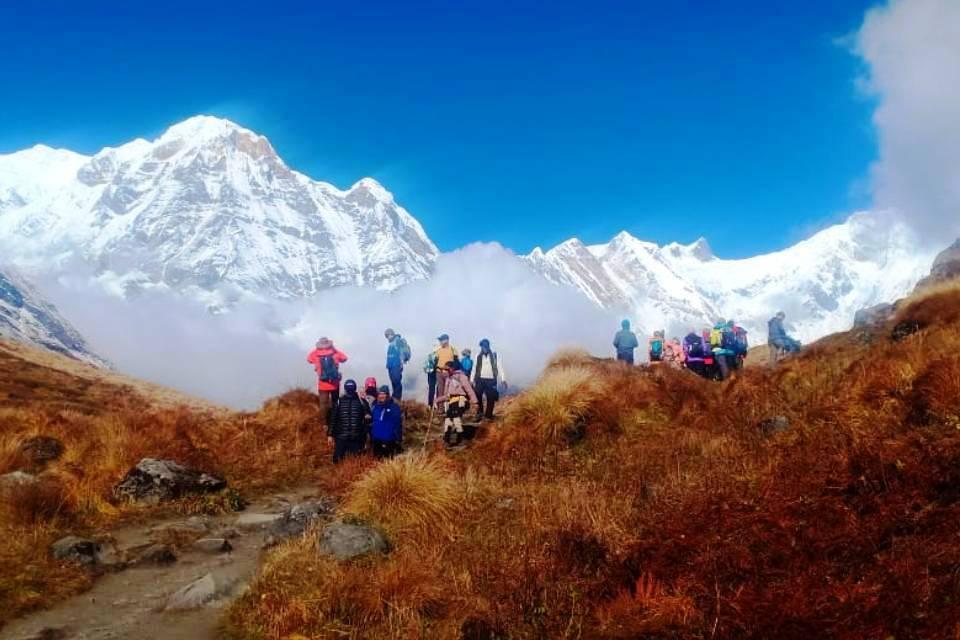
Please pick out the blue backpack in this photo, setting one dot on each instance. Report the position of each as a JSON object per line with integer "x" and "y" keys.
{"x": 328, "y": 370}
{"x": 656, "y": 349}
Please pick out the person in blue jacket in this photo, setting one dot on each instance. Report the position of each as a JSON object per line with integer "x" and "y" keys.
{"x": 386, "y": 432}
{"x": 625, "y": 342}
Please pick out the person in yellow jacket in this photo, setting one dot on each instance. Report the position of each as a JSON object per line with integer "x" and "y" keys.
{"x": 443, "y": 353}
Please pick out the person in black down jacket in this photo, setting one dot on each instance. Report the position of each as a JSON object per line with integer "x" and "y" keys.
{"x": 349, "y": 423}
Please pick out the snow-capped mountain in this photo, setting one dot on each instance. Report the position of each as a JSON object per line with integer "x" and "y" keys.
{"x": 26, "y": 317}
{"x": 820, "y": 283}
{"x": 207, "y": 206}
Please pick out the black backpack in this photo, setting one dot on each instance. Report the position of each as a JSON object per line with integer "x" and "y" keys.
{"x": 328, "y": 370}
{"x": 694, "y": 346}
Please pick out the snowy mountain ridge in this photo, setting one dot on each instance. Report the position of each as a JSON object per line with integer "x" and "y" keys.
{"x": 820, "y": 282}
{"x": 208, "y": 205}
{"x": 26, "y": 317}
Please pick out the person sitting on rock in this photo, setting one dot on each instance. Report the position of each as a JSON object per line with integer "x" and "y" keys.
{"x": 387, "y": 432}
{"x": 349, "y": 424}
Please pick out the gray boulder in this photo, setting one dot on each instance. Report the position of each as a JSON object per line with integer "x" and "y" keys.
{"x": 17, "y": 479}
{"x": 295, "y": 520}
{"x": 347, "y": 541}
{"x": 154, "y": 554}
{"x": 74, "y": 549}
{"x": 777, "y": 424}
{"x": 159, "y": 480}
{"x": 194, "y": 595}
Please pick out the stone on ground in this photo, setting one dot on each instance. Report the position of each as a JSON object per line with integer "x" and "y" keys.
{"x": 194, "y": 595}
{"x": 347, "y": 541}
{"x": 159, "y": 480}
{"x": 75, "y": 549}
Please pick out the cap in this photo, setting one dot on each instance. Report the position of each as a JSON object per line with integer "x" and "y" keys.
{"x": 484, "y": 343}
{"x": 443, "y": 337}
{"x": 350, "y": 386}
{"x": 385, "y": 389}
{"x": 389, "y": 332}
{"x": 370, "y": 382}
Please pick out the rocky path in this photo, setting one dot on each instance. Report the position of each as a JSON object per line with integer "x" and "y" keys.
{"x": 159, "y": 598}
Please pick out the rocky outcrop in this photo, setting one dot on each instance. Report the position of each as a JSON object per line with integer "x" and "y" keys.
{"x": 159, "y": 480}
{"x": 875, "y": 316}
{"x": 946, "y": 267}
{"x": 348, "y": 541}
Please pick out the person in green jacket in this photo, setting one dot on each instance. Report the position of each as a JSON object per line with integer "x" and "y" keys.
{"x": 625, "y": 342}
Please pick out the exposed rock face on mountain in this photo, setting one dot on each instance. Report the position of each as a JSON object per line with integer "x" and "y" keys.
{"x": 208, "y": 205}
{"x": 820, "y": 283}
{"x": 946, "y": 267}
{"x": 26, "y": 317}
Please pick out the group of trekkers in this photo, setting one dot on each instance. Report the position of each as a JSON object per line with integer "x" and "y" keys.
{"x": 712, "y": 353}
{"x": 455, "y": 382}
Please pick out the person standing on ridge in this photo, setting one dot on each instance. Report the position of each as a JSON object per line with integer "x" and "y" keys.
{"x": 655, "y": 347}
{"x": 326, "y": 361}
{"x": 443, "y": 353}
{"x": 778, "y": 340}
{"x": 456, "y": 397}
{"x": 349, "y": 424}
{"x": 466, "y": 362}
{"x": 398, "y": 355}
{"x": 488, "y": 373}
{"x": 625, "y": 342}
{"x": 386, "y": 435}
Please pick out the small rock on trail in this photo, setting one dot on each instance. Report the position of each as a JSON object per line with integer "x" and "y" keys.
{"x": 75, "y": 549}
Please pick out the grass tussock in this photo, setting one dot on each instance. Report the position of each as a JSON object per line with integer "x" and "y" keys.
{"x": 817, "y": 499}
{"x": 409, "y": 493}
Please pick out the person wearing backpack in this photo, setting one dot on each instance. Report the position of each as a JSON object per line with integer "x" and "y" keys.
{"x": 386, "y": 435}
{"x": 723, "y": 344}
{"x": 444, "y": 352}
{"x": 349, "y": 424}
{"x": 430, "y": 368}
{"x": 466, "y": 362}
{"x": 778, "y": 340}
{"x": 695, "y": 353}
{"x": 455, "y": 398}
{"x": 741, "y": 344}
{"x": 655, "y": 347}
{"x": 488, "y": 375}
{"x": 625, "y": 342}
{"x": 398, "y": 355}
{"x": 326, "y": 360}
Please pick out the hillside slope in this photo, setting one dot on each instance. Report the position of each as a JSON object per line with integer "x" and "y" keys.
{"x": 815, "y": 500}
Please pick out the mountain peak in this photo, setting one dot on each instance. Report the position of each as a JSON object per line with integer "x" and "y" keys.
{"x": 372, "y": 187}
{"x": 203, "y": 126}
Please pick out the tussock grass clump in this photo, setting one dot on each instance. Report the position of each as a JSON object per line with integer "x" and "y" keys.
{"x": 555, "y": 411}
{"x": 408, "y": 494}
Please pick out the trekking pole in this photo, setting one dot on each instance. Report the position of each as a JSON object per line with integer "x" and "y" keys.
{"x": 426, "y": 436}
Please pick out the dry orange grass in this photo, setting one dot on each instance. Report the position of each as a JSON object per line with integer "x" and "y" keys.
{"x": 105, "y": 429}
{"x": 679, "y": 510}
{"x": 408, "y": 494}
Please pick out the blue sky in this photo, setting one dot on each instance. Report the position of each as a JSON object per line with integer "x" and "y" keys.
{"x": 521, "y": 122}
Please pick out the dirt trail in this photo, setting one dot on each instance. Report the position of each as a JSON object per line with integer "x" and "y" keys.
{"x": 129, "y": 603}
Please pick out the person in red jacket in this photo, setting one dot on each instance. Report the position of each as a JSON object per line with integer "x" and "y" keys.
{"x": 326, "y": 360}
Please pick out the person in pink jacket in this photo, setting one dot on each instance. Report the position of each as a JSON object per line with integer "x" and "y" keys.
{"x": 455, "y": 398}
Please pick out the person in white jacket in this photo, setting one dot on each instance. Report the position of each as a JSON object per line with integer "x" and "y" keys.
{"x": 456, "y": 397}
{"x": 488, "y": 376}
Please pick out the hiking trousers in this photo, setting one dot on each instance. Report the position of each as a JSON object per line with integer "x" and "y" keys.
{"x": 385, "y": 448}
{"x": 775, "y": 354}
{"x": 343, "y": 447}
{"x": 487, "y": 396}
{"x": 624, "y": 356}
{"x": 327, "y": 401}
{"x": 431, "y": 387}
{"x": 396, "y": 381}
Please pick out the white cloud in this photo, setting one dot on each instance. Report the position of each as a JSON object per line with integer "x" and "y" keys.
{"x": 912, "y": 52}
{"x": 256, "y": 351}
